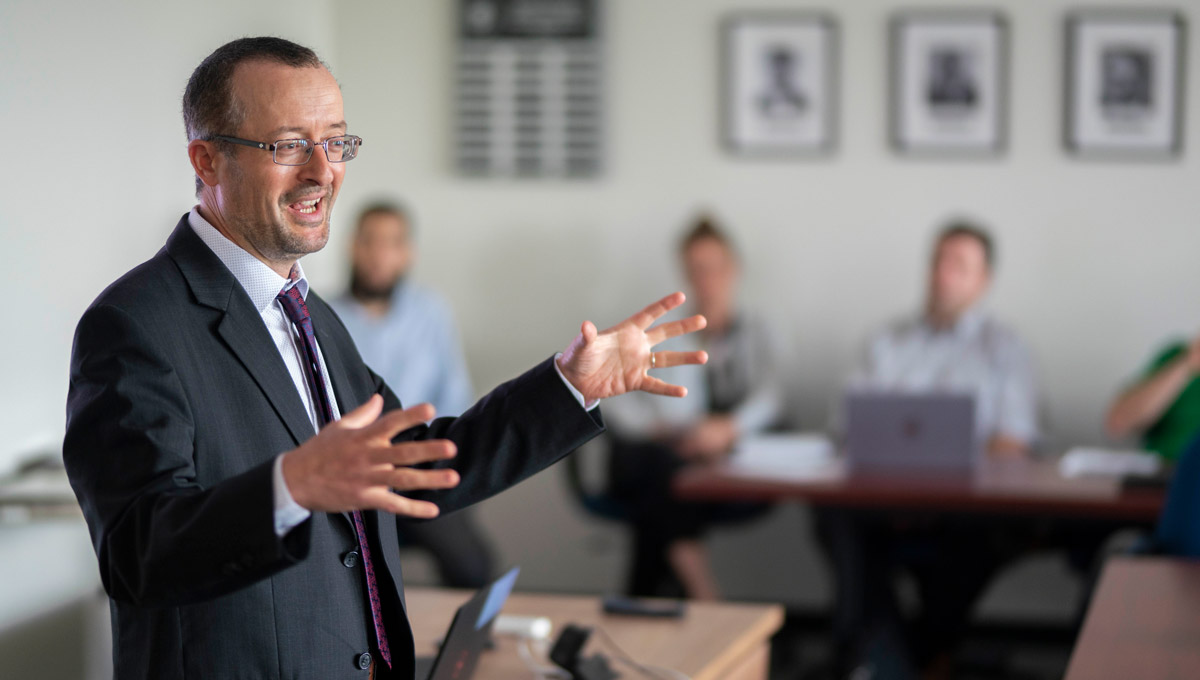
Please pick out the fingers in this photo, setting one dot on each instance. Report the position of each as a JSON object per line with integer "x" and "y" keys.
{"x": 656, "y": 386}
{"x": 384, "y": 499}
{"x": 588, "y": 331}
{"x": 412, "y": 453}
{"x": 669, "y": 359}
{"x": 650, "y": 314}
{"x": 412, "y": 479}
{"x": 364, "y": 415}
{"x": 675, "y": 328}
{"x": 394, "y": 422}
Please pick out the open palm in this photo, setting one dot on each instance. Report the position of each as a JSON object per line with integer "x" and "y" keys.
{"x": 602, "y": 364}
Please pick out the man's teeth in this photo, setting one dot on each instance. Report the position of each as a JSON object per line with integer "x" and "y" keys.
{"x": 308, "y": 207}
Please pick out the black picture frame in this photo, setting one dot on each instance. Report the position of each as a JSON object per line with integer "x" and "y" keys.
{"x": 904, "y": 115}
{"x": 744, "y": 146}
{"x": 1072, "y": 134}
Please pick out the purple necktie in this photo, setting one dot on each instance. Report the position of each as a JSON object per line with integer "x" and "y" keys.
{"x": 297, "y": 311}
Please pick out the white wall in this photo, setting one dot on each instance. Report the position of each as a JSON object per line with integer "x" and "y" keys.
{"x": 1097, "y": 258}
{"x": 97, "y": 173}
{"x": 1094, "y": 256}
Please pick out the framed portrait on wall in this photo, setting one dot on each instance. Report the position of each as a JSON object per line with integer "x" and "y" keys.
{"x": 949, "y": 82}
{"x": 1125, "y": 83}
{"x": 779, "y": 95}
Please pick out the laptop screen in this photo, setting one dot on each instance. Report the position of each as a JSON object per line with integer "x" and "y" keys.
{"x": 496, "y": 596}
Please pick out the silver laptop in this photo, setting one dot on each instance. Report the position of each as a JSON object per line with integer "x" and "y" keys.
{"x": 897, "y": 432}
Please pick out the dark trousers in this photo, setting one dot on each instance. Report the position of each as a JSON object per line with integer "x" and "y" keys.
{"x": 951, "y": 561}
{"x": 951, "y": 558}
{"x": 640, "y": 477}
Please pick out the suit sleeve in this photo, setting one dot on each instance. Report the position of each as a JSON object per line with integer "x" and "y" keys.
{"x": 516, "y": 430}
{"x": 161, "y": 538}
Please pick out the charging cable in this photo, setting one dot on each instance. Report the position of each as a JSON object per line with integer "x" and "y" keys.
{"x": 651, "y": 671}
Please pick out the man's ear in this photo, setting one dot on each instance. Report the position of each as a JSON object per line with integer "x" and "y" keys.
{"x": 206, "y": 160}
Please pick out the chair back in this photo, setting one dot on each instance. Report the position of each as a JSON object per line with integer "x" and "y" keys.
{"x": 595, "y": 502}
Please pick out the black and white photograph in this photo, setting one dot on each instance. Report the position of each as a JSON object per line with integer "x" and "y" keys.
{"x": 779, "y": 94}
{"x": 1125, "y": 83}
{"x": 948, "y": 82}
{"x": 952, "y": 79}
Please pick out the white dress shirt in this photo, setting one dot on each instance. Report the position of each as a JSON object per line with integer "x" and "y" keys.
{"x": 263, "y": 284}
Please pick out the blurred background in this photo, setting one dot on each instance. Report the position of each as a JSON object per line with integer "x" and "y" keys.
{"x": 1096, "y": 257}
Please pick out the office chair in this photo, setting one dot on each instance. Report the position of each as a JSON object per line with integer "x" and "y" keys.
{"x": 597, "y": 502}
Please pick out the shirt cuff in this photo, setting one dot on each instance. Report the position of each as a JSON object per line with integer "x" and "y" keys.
{"x": 587, "y": 405}
{"x": 288, "y": 513}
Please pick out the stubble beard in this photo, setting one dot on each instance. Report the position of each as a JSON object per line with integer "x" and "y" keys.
{"x": 273, "y": 237}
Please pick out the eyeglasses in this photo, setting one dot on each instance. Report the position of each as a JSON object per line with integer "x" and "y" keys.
{"x": 298, "y": 151}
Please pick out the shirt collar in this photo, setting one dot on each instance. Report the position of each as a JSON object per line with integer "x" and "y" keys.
{"x": 259, "y": 281}
{"x": 966, "y": 326}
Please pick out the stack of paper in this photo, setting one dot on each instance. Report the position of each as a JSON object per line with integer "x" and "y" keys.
{"x": 1091, "y": 462}
{"x": 790, "y": 455}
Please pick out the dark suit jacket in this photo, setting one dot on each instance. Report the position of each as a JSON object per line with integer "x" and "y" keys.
{"x": 178, "y": 404}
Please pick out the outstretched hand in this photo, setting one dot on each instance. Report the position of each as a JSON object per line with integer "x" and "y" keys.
{"x": 602, "y": 364}
{"x": 352, "y": 464}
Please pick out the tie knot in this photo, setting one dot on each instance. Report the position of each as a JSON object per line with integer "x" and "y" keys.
{"x": 293, "y": 305}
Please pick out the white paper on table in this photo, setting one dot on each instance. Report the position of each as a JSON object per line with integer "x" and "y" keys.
{"x": 1093, "y": 462}
{"x": 804, "y": 455}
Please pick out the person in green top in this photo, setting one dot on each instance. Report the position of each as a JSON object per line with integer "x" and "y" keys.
{"x": 1164, "y": 406}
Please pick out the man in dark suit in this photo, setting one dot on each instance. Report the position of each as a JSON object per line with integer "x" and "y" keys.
{"x": 240, "y": 468}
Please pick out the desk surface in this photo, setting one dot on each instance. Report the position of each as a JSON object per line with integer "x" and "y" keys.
{"x": 1144, "y": 622}
{"x": 999, "y": 486}
{"x": 711, "y": 641}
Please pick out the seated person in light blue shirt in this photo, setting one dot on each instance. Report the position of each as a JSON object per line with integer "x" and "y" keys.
{"x": 407, "y": 335}
{"x": 956, "y": 345}
{"x": 952, "y": 344}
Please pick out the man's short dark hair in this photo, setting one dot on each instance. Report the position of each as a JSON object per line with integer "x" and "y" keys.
{"x": 969, "y": 230}
{"x": 706, "y": 228}
{"x": 385, "y": 207}
{"x": 209, "y": 107}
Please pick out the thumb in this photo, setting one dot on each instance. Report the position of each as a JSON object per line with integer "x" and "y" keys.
{"x": 364, "y": 415}
{"x": 588, "y": 330}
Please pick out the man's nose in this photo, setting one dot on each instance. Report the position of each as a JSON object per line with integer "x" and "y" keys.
{"x": 318, "y": 169}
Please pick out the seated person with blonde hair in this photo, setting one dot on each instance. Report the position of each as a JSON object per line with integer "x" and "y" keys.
{"x": 738, "y": 393}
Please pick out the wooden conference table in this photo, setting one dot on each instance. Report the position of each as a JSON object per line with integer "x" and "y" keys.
{"x": 1144, "y": 622}
{"x": 998, "y": 487}
{"x": 718, "y": 640}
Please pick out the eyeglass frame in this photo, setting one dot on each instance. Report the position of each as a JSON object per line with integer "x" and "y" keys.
{"x": 313, "y": 144}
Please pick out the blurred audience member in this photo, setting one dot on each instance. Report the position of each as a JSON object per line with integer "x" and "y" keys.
{"x": 953, "y": 344}
{"x": 738, "y": 393}
{"x": 1163, "y": 407}
{"x": 407, "y": 335}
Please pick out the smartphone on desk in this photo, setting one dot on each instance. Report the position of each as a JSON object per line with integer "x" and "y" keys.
{"x": 632, "y": 606}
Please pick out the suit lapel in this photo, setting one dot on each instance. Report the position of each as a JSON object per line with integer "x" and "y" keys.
{"x": 335, "y": 363}
{"x": 241, "y": 326}
{"x": 248, "y": 338}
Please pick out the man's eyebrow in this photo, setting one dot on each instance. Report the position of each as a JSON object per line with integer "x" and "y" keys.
{"x": 299, "y": 130}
